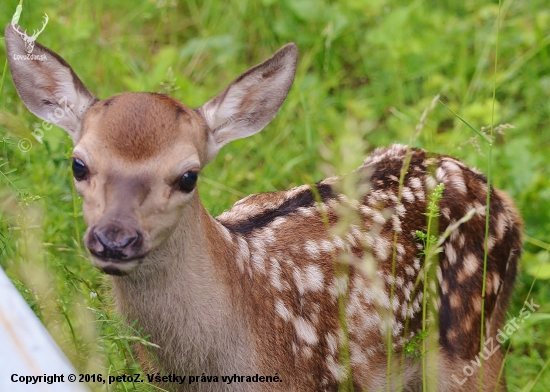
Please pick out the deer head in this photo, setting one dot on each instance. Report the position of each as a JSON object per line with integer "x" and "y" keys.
{"x": 137, "y": 156}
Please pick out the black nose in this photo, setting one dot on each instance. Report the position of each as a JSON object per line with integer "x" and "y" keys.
{"x": 115, "y": 240}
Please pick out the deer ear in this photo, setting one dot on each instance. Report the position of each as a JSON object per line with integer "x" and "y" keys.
{"x": 251, "y": 101}
{"x": 46, "y": 83}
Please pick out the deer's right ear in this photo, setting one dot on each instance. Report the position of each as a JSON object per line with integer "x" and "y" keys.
{"x": 46, "y": 83}
{"x": 251, "y": 101}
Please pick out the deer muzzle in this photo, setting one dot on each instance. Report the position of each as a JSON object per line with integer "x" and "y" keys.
{"x": 116, "y": 245}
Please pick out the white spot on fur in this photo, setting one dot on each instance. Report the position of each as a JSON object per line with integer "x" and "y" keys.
{"x": 396, "y": 223}
{"x": 409, "y": 271}
{"x": 370, "y": 321}
{"x": 305, "y": 211}
{"x": 277, "y": 222}
{"x": 305, "y": 331}
{"x": 454, "y": 300}
{"x": 471, "y": 266}
{"x": 400, "y": 249}
{"x": 444, "y": 287}
{"x": 450, "y": 172}
{"x": 298, "y": 281}
{"x": 365, "y": 210}
{"x": 314, "y": 278}
{"x": 490, "y": 242}
{"x": 356, "y": 232}
{"x": 259, "y": 254}
{"x": 395, "y": 304}
{"x": 407, "y": 194}
{"x": 282, "y": 310}
{"x": 500, "y": 227}
{"x": 383, "y": 300}
{"x": 418, "y": 190}
{"x": 243, "y": 254}
{"x": 338, "y": 371}
{"x": 404, "y": 310}
{"x": 450, "y": 253}
{"x": 338, "y": 243}
{"x": 312, "y": 249}
{"x": 326, "y": 246}
{"x": 397, "y": 328}
{"x": 399, "y": 282}
{"x": 407, "y": 290}
{"x": 267, "y": 235}
{"x": 431, "y": 183}
{"x": 377, "y": 217}
{"x": 400, "y": 209}
{"x": 381, "y": 248}
{"x": 357, "y": 357}
{"x": 332, "y": 343}
{"x": 339, "y": 286}
{"x": 415, "y": 183}
{"x": 368, "y": 295}
{"x": 417, "y": 301}
{"x": 377, "y": 196}
{"x": 275, "y": 274}
{"x": 354, "y": 304}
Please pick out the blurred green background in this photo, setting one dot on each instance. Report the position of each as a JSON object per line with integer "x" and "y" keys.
{"x": 367, "y": 71}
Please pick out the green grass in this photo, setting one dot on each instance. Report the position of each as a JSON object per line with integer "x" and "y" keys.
{"x": 367, "y": 71}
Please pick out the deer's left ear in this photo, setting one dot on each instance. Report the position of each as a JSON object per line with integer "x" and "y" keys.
{"x": 251, "y": 101}
{"x": 46, "y": 83}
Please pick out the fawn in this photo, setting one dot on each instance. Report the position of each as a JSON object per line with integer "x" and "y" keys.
{"x": 258, "y": 291}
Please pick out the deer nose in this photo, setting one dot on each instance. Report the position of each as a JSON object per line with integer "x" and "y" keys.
{"x": 115, "y": 240}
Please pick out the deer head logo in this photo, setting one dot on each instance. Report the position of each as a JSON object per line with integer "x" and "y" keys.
{"x": 29, "y": 41}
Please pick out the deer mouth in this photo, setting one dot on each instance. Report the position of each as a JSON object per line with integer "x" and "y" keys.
{"x": 115, "y": 249}
{"x": 117, "y": 267}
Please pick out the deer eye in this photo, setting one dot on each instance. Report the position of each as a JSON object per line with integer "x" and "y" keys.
{"x": 80, "y": 171}
{"x": 188, "y": 181}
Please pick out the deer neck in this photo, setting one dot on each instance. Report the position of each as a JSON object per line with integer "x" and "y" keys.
{"x": 181, "y": 297}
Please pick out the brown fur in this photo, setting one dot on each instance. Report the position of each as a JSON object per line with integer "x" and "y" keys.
{"x": 138, "y": 126}
{"x": 274, "y": 286}
{"x": 276, "y": 218}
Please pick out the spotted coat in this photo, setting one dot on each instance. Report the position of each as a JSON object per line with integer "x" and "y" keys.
{"x": 288, "y": 268}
